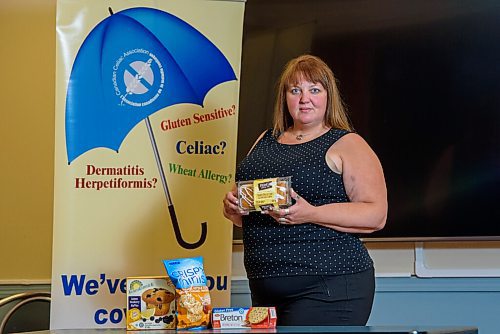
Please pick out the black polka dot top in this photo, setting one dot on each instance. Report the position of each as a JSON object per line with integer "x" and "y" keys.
{"x": 272, "y": 249}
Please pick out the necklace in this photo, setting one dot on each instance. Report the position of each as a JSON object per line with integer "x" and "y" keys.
{"x": 301, "y": 136}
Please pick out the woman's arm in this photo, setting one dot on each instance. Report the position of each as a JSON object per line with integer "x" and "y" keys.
{"x": 231, "y": 209}
{"x": 365, "y": 186}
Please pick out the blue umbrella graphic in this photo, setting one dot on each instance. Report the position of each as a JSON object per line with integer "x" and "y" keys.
{"x": 132, "y": 64}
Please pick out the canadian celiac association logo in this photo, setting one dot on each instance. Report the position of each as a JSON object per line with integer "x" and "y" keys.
{"x": 138, "y": 78}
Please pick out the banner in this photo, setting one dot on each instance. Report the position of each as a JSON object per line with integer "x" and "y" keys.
{"x": 146, "y": 127}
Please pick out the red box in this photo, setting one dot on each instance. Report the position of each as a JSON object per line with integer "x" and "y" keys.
{"x": 244, "y": 317}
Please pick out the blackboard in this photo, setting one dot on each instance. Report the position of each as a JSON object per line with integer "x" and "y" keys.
{"x": 421, "y": 80}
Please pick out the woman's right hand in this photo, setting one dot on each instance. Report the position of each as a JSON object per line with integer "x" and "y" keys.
{"x": 231, "y": 209}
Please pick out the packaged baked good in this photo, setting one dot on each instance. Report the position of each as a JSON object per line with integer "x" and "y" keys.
{"x": 191, "y": 291}
{"x": 263, "y": 194}
{"x": 150, "y": 303}
{"x": 244, "y": 317}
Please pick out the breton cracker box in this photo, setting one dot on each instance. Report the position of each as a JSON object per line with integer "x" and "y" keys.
{"x": 262, "y": 194}
{"x": 244, "y": 317}
{"x": 150, "y": 303}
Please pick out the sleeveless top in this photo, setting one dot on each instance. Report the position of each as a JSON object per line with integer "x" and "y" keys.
{"x": 275, "y": 250}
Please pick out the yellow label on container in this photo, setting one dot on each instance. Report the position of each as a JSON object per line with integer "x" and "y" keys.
{"x": 265, "y": 193}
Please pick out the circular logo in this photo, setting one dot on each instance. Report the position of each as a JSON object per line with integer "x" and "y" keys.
{"x": 135, "y": 285}
{"x": 138, "y": 78}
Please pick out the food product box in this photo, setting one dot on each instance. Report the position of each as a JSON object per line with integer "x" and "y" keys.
{"x": 262, "y": 194}
{"x": 244, "y": 317}
{"x": 150, "y": 303}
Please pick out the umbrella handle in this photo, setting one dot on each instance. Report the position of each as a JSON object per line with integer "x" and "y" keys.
{"x": 173, "y": 216}
{"x": 178, "y": 234}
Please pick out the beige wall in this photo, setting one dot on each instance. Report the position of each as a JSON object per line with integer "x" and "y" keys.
{"x": 27, "y": 56}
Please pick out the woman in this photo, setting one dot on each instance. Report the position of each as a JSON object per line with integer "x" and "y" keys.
{"x": 306, "y": 259}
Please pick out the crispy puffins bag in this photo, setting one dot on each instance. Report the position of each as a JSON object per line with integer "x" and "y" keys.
{"x": 191, "y": 292}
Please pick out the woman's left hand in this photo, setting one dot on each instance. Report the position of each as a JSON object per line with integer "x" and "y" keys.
{"x": 295, "y": 214}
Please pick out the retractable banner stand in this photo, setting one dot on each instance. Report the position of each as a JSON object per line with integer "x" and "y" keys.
{"x": 146, "y": 127}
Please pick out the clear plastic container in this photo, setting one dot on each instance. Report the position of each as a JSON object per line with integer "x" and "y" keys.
{"x": 262, "y": 194}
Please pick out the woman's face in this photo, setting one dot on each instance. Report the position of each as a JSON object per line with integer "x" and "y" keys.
{"x": 306, "y": 102}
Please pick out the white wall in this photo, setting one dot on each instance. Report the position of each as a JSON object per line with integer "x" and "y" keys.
{"x": 440, "y": 259}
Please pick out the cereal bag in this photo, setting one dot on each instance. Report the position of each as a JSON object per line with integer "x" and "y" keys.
{"x": 191, "y": 292}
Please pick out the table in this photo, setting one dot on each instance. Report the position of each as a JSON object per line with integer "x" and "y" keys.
{"x": 288, "y": 329}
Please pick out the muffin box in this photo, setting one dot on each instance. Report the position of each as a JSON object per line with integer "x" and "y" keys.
{"x": 263, "y": 194}
{"x": 244, "y": 317}
{"x": 150, "y": 303}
